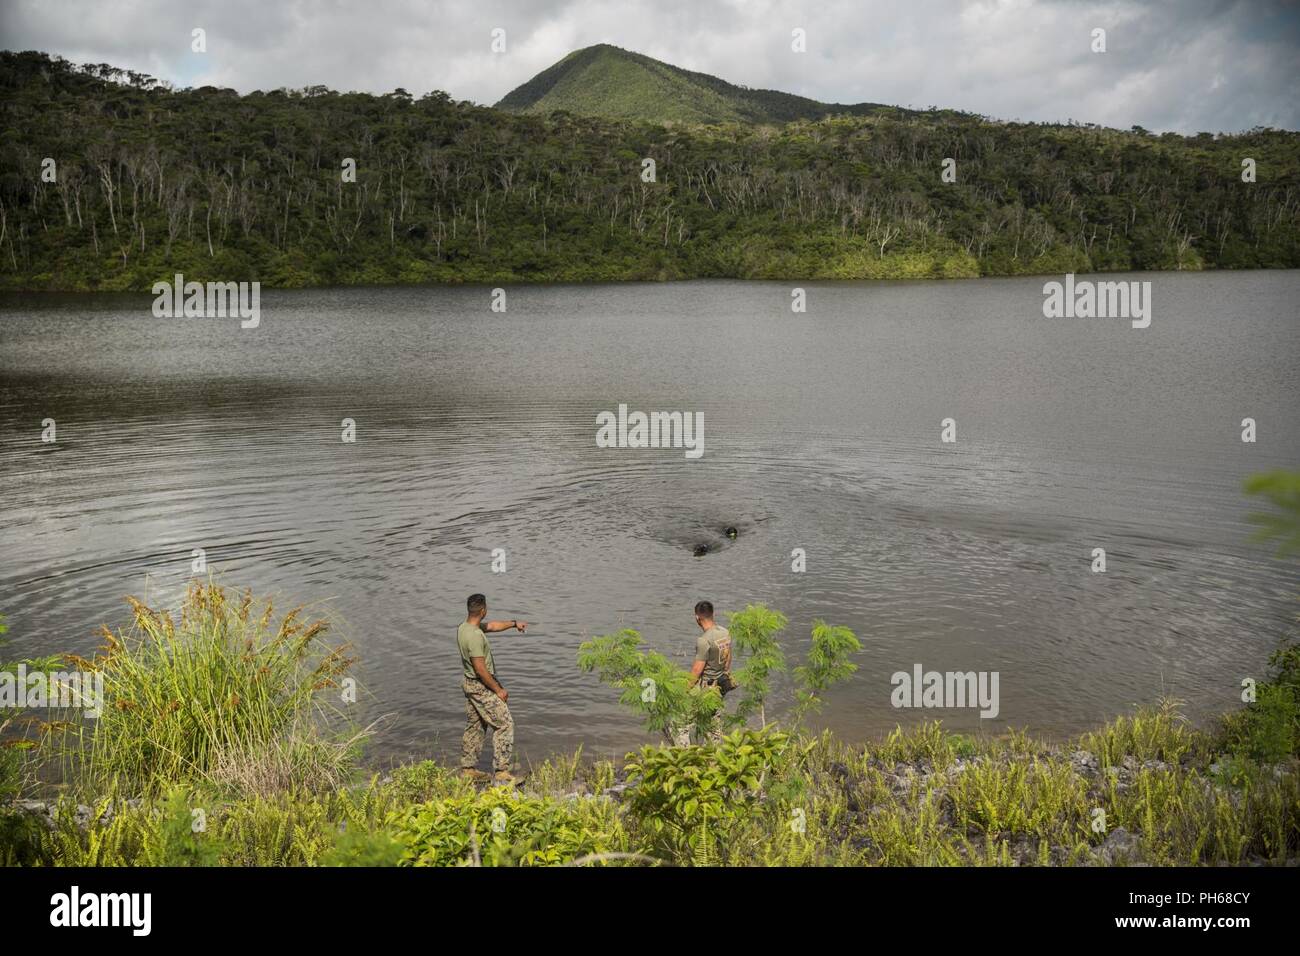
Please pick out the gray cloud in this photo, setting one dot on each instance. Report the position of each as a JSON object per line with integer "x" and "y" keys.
{"x": 1187, "y": 66}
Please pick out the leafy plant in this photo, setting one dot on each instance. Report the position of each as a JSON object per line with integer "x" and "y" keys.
{"x": 754, "y": 634}
{"x": 359, "y": 847}
{"x": 963, "y": 745}
{"x": 827, "y": 664}
{"x": 120, "y": 834}
{"x": 652, "y": 685}
{"x": 661, "y": 692}
{"x": 1034, "y": 797}
{"x": 1268, "y": 729}
{"x": 501, "y": 827}
{"x": 1281, "y": 489}
{"x": 426, "y": 780}
{"x": 179, "y": 843}
{"x": 685, "y": 797}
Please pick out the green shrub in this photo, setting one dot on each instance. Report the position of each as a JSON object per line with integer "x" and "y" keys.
{"x": 1282, "y": 490}
{"x": 686, "y": 797}
{"x": 662, "y": 693}
{"x": 11, "y": 757}
{"x": 425, "y": 781}
{"x": 179, "y": 843}
{"x": 357, "y": 847}
{"x": 1267, "y": 730}
{"x": 963, "y": 745}
{"x": 501, "y": 827}
{"x": 827, "y": 664}
{"x": 754, "y": 638}
{"x": 652, "y": 685}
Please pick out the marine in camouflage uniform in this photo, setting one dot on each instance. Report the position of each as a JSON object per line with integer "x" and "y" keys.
{"x": 712, "y": 662}
{"x": 485, "y": 698}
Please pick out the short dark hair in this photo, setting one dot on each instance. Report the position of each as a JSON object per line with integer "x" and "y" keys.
{"x": 704, "y": 609}
{"x": 476, "y": 604}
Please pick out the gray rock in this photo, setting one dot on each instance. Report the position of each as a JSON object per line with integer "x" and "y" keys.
{"x": 1085, "y": 763}
{"x": 1119, "y": 847}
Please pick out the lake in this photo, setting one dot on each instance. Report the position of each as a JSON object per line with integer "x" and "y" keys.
{"x": 475, "y": 431}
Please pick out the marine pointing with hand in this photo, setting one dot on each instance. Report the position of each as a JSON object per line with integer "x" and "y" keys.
{"x": 485, "y": 698}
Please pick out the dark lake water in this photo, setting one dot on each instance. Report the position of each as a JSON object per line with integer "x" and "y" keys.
{"x": 476, "y": 431}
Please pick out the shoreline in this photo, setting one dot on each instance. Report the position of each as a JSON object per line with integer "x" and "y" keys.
{"x": 221, "y": 741}
{"x": 1092, "y": 801}
{"x": 514, "y": 280}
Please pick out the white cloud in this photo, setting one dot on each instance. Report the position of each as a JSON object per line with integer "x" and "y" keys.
{"x": 1198, "y": 65}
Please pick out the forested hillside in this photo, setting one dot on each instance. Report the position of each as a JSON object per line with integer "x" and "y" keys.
{"x": 613, "y": 83}
{"x": 151, "y": 181}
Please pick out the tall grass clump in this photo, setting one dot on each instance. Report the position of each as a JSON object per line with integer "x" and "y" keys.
{"x": 1159, "y": 733}
{"x": 225, "y": 696}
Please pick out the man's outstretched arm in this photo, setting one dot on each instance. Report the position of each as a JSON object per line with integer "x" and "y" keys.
{"x": 492, "y": 627}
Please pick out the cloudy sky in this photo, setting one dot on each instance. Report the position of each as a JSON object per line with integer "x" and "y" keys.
{"x": 1188, "y": 66}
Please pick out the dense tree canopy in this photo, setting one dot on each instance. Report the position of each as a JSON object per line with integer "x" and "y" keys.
{"x": 149, "y": 181}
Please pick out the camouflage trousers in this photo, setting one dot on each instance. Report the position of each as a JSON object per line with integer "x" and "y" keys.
{"x": 484, "y": 709}
{"x": 712, "y": 730}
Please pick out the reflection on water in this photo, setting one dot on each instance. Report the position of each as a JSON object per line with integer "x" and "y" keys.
{"x": 476, "y": 431}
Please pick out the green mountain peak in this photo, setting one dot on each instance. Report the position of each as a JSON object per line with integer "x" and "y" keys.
{"x": 610, "y": 82}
